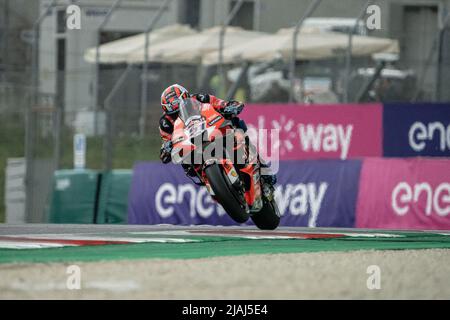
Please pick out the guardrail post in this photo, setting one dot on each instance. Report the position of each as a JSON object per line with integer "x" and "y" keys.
{"x": 144, "y": 86}
{"x": 311, "y": 8}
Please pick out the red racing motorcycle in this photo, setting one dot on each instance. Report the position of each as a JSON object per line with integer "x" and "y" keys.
{"x": 223, "y": 160}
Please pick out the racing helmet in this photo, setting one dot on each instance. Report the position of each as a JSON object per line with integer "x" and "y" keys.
{"x": 171, "y": 98}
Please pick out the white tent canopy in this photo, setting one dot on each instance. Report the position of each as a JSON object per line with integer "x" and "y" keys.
{"x": 313, "y": 44}
{"x": 191, "y": 48}
{"x": 117, "y": 51}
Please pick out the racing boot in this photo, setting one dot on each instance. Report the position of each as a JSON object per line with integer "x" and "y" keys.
{"x": 268, "y": 181}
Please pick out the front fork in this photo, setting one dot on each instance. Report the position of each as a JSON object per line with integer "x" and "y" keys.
{"x": 268, "y": 190}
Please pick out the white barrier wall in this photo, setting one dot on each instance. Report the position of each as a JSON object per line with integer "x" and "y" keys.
{"x": 15, "y": 190}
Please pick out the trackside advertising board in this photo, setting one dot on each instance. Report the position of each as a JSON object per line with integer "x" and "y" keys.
{"x": 322, "y": 149}
{"x": 319, "y": 131}
{"x": 373, "y": 193}
{"x": 404, "y": 194}
{"x": 412, "y": 130}
{"x": 309, "y": 193}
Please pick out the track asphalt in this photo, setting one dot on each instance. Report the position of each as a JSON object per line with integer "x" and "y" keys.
{"x": 67, "y": 243}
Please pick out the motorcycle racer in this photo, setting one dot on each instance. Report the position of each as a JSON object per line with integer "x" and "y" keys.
{"x": 170, "y": 103}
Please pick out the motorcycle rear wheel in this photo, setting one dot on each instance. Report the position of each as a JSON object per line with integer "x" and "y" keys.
{"x": 268, "y": 218}
{"x": 226, "y": 194}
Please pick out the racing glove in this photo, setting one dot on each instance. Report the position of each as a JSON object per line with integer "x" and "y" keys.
{"x": 233, "y": 108}
{"x": 165, "y": 153}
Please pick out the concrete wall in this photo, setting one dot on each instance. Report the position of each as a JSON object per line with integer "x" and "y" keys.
{"x": 274, "y": 15}
{"x": 130, "y": 16}
{"x": 16, "y": 16}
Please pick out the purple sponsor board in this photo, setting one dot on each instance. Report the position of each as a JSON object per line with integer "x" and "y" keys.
{"x": 163, "y": 194}
{"x": 309, "y": 193}
{"x": 411, "y": 130}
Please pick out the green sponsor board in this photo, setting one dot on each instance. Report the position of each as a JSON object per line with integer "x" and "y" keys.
{"x": 113, "y": 197}
{"x": 88, "y": 196}
{"x": 73, "y": 198}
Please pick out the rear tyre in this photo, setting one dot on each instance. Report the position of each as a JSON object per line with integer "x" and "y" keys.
{"x": 268, "y": 218}
{"x": 230, "y": 199}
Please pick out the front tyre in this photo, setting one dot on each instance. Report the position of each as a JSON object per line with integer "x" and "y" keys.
{"x": 230, "y": 199}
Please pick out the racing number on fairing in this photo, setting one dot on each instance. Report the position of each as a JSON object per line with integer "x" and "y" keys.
{"x": 195, "y": 128}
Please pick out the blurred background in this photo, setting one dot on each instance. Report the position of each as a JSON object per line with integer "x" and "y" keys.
{"x": 103, "y": 80}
